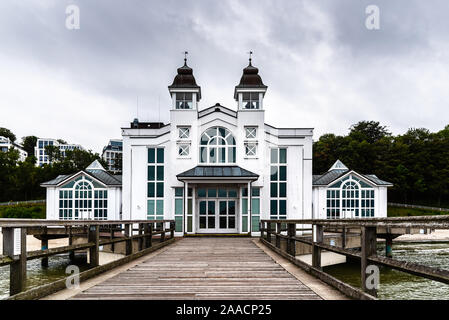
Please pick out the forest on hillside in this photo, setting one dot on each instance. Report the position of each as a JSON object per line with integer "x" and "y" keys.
{"x": 416, "y": 162}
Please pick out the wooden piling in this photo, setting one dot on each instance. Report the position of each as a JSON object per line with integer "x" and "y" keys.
{"x": 17, "y": 282}
{"x": 94, "y": 252}
{"x": 369, "y": 241}
{"x": 128, "y": 242}
{"x": 316, "y": 251}
{"x": 291, "y": 243}
{"x": 44, "y": 246}
{"x": 278, "y": 235}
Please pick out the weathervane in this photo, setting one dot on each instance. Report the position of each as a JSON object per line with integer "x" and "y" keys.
{"x": 250, "y": 54}
{"x": 185, "y": 57}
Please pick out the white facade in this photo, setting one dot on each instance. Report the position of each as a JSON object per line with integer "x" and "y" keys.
{"x": 216, "y": 170}
{"x": 41, "y": 154}
{"x": 89, "y": 194}
{"x": 6, "y": 144}
{"x": 182, "y": 152}
{"x": 342, "y": 193}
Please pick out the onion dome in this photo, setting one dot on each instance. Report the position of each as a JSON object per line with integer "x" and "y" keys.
{"x": 185, "y": 79}
{"x": 250, "y": 79}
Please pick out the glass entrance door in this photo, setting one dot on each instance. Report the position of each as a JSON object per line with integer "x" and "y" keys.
{"x": 217, "y": 210}
{"x": 227, "y": 214}
{"x": 207, "y": 215}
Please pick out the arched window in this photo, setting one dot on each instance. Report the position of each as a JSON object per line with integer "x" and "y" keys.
{"x": 83, "y": 200}
{"x": 350, "y": 199}
{"x": 217, "y": 145}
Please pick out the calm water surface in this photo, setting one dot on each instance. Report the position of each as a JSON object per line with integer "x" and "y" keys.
{"x": 36, "y": 275}
{"x": 398, "y": 285}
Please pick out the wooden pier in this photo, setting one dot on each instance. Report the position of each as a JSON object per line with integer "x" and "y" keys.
{"x": 230, "y": 268}
{"x": 205, "y": 268}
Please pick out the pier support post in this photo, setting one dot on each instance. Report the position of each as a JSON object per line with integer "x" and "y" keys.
{"x": 128, "y": 242}
{"x": 269, "y": 232}
{"x": 278, "y": 237}
{"x": 14, "y": 246}
{"x": 146, "y": 231}
{"x": 140, "y": 241}
{"x": 343, "y": 238}
{"x": 44, "y": 246}
{"x": 111, "y": 237}
{"x": 71, "y": 253}
{"x": 389, "y": 247}
{"x": 316, "y": 251}
{"x": 163, "y": 232}
{"x": 172, "y": 230}
{"x": 150, "y": 235}
{"x": 291, "y": 243}
{"x": 369, "y": 241}
{"x": 94, "y": 252}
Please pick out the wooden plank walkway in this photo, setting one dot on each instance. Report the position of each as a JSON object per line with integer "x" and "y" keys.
{"x": 204, "y": 268}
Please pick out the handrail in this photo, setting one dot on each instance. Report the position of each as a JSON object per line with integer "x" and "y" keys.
{"x": 367, "y": 254}
{"x": 433, "y": 222}
{"x": 17, "y": 223}
{"x": 91, "y": 229}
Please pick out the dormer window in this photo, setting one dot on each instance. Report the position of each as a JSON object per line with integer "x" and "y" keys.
{"x": 184, "y": 100}
{"x": 250, "y": 100}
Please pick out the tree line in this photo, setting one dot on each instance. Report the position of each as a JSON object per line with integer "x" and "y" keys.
{"x": 417, "y": 162}
{"x": 20, "y": 181}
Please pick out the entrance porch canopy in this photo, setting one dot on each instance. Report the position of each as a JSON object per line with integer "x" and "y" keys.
{"x": 207, "y": 174}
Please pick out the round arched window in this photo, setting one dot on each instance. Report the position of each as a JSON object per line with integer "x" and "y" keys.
{"x": 217, "y": 145}
{"x": 350, "y": 199}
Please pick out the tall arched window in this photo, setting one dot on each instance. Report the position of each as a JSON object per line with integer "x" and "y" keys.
{"x": 350, "y": 199}
{"x": 217, "y": 145}
{"x": 83, "y": 200}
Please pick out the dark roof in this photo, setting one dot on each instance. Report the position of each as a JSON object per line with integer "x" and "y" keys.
{"x": 218, "y": 172}
{"x": 250, "y": 79}
{"x": 146, "y": 125}
{"x": 328, "y": 177}
{"x": 101, "y": 175}
{"x": 57, "y": 180}
{"x": 376, "y": 180}
{"x": 332, "y": 175}
{"x": 185, "y": 79}
{"x": 105, "y": 177}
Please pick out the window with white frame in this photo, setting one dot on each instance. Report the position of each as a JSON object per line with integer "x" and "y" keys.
{"x": 251, "y": 132}
{"x": 250, "y": 100}
{"x": 183, "y": 150}
{"x": 251, "y": 149}
{"x": 217, "y": 145}
{"x": 350, "y": 197}
{"x": 184, "y": 133}
{"x": 184, "y": 100}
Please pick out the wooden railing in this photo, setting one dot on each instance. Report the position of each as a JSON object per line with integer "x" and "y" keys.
{"x": 275, "y": 231}
{"x": 16, "y": 255}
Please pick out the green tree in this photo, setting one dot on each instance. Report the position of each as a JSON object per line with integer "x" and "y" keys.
{"x": 8, "y": 134}
{"x": 28, "y": 143}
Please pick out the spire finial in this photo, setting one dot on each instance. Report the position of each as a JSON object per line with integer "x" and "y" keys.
{"x": 250, "y": 55}
{"x": 185, "y": 57}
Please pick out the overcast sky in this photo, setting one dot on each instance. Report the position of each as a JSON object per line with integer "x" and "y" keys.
{"x": 324, "y": 69}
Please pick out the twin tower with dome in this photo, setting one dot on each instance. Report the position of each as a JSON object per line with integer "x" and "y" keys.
{"x": 216, "y": 170}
